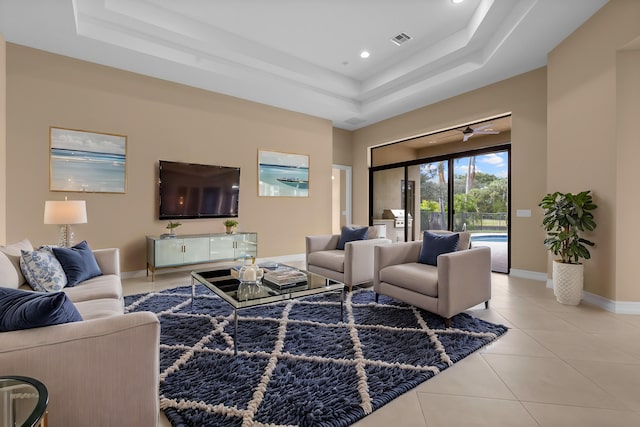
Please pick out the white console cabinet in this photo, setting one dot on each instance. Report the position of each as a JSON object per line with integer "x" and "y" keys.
{"x": 179, "y": 251}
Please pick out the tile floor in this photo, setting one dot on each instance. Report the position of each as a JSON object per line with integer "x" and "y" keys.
{"x": 557, "y": 366}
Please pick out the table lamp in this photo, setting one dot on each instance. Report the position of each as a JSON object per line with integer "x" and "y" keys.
{"x": 65, "y": 213}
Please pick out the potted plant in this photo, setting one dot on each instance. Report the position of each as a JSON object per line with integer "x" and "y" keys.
{"x": 567, "y": 215}
{"x": 172, "y": 227}
{"x": 230, "y": 224}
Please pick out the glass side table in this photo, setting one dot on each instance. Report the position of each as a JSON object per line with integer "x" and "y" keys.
{"x": 23, "y": 402}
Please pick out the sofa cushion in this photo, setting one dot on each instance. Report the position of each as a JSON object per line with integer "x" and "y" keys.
{"x": 99, "y": 287}
{"x": 26, "y": 309}
{"x": 14, "y": 278}
{"x": 434, "y": 245}
{"x": 331, "y": 260}
{"x": 350, "y": 234}
{"x": 99, "y": 308}
{"x": 78, "y": 262}
{"x": 8, "y": 273}
{"x": 42, "y": 270}
{"x": 421, "y": 278}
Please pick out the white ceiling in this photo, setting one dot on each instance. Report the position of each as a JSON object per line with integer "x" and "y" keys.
{"x": 303, "y": 55}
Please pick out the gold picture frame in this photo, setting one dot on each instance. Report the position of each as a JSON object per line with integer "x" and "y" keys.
{"x": 87, "y": 162}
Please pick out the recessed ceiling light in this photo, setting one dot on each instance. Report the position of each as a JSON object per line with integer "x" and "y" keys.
{"x": 456, "y": 1}
{"x": 364, "y": 54}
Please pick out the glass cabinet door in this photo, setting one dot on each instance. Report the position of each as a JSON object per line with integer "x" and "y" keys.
{"x": 246, "y": 245}
{"x": 222, "y": 247}
{"x": 168, "y": 252}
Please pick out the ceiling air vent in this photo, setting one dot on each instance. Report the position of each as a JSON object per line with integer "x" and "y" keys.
{"x": 401, "y": 38}
{"x": 355, "y": 121}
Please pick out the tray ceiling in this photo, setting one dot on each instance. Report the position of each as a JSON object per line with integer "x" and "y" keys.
{"x": 305, "y": 55}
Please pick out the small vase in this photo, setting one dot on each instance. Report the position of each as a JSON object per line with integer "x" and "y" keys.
{"x": 229, "y": 230}
{"x": 248, "y": 272}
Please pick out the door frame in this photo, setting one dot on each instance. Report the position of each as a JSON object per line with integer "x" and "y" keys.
{"x": 348, "y": 192}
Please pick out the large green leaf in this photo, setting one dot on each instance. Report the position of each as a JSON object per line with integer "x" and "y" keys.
{"x": 565, "y": 215}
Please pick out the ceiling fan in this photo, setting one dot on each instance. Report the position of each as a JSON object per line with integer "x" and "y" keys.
{"x": 468, "y": 132}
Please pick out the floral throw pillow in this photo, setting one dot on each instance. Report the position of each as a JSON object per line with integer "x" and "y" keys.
{"x": 42, "y": 270}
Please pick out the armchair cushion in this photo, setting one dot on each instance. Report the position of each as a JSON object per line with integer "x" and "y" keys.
{"x": 25, "y": 309}
{"x": 434, "y": 245}
{"x": 331, "y": 260}
{"x": 420, "y": 278}
{"x": 350, "y": 234}
{"x": 79, "y": 263}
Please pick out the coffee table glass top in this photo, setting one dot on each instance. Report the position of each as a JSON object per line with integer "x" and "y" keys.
{"x": 23, "y": 401}
{"x": 225, "y": 285}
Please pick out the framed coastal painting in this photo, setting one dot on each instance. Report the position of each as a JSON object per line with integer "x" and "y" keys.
{"x": 87, "y": 162}
{"x": 283, "y": 174}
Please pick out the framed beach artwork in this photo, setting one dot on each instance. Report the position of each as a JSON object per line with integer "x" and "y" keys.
{"x": 283, "y": 174}
{"x": 87, "y": 162}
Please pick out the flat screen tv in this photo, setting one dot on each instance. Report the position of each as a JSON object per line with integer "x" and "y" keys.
{"x": 189, "y": 190}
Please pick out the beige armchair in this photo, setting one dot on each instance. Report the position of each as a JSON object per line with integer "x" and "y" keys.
{"x": 352, "y": 266}
{"x": 461, "y": 279}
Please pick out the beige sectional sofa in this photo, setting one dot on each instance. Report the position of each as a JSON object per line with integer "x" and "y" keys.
{"x": 102, "y": 370}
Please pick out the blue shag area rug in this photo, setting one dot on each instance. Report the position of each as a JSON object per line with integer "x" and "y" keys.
{"x": 297, "y": 363}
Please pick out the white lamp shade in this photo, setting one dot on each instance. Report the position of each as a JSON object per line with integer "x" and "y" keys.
{"x": 65, "y": 212}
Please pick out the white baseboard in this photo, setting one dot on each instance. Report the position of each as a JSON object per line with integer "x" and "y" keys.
{"x": 525, "y": 274}
{"x": 619, "y": 307}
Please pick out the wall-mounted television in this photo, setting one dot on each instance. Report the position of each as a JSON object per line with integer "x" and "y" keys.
{"x": 189, "y": 190}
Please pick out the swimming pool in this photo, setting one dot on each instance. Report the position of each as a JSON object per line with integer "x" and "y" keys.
{"x": 489, "y": 238}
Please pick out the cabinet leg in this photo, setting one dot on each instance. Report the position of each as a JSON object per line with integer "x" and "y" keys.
{"x": 153, "y": 272}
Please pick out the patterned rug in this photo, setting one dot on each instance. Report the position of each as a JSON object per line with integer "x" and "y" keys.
{"x": 297, "y": 363}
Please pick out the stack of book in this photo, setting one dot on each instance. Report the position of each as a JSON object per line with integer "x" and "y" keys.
{"x": 284, "y": 277}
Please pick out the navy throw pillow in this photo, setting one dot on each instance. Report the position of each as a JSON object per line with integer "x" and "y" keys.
{"x": 437, "y": 244}
{"x": 350, "y": 234}
{"x": 78, "y": 262}
{"x": 21, "y": 309}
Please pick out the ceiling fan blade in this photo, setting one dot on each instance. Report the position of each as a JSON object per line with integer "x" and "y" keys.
{"x": 482, "y": 127}
{"x": 487, "y": 132}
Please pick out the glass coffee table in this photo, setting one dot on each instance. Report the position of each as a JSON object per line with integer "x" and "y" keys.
{"x": 224, "y": 283}
{"x": 23, "y": 401}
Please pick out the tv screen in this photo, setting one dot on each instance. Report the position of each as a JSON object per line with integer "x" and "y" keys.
{"x": 189, "y": 190}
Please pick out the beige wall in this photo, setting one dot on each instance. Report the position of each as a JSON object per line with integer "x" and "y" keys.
{"x": 592, "y": 108}
{"x": 3, "y": 142}
{"x": 628, "y": 204}
{"x": 165, "y": 121}
{"x": 342, "y": 147}
{"x": 525, "y": 97}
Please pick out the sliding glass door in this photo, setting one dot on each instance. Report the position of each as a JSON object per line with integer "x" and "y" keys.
{"x": 434, "y": 196}
{"x": 481, "y": 202}
{"x": 458, "y": 192}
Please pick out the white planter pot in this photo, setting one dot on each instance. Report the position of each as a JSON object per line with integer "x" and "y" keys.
{"x": 568, "y": 282}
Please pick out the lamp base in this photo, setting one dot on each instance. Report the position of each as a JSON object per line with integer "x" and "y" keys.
{"x": 66, "y": 236}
